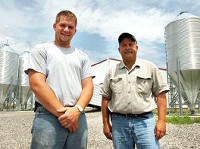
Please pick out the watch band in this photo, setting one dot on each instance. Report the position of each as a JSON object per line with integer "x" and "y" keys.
{"x": 79, "y": 108}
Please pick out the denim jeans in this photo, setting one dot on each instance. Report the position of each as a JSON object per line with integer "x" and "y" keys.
{"x": 48, "y": 133}
{"x": 130, "y": 131}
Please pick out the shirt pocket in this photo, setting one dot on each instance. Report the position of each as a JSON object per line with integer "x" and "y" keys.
{"x": 144, "y": 84}
{"x": 116, "y": 85}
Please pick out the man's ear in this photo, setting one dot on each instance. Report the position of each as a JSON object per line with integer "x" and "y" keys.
{"x": 54, "y": 26}
{"x": 137, "y": 47}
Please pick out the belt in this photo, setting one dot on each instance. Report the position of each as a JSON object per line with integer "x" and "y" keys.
{"x": 37, "y": 104}
{"x": 144, "y": 115}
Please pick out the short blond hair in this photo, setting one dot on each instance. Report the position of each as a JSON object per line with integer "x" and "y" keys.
{"x": 67, "y": 14}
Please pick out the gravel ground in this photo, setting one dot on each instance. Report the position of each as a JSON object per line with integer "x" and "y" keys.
{"x": 15, "y": 132}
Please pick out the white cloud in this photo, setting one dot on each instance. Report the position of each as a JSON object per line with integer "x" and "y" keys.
{"x": 28, "y": 23}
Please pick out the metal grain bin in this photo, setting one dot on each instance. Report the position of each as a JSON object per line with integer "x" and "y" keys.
{"x": 24, "y": 88}
{"x": 8, "y": 72}
{"x": 183, "y": 55}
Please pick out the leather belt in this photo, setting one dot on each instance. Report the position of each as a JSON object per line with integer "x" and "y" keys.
{"x": 144, "y": 115}
{"x": 37, "y": 104}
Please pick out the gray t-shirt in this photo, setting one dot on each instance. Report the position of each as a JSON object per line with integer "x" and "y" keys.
{"x": 133, "y": 91}
{"x": 64, "y": 68}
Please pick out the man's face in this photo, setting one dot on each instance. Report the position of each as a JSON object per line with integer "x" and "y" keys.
{"x": 65, "y": 29}
{"x": 128, "y": 49}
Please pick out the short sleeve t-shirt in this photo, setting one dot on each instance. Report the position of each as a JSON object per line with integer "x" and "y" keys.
{"x": 64, "y": 68}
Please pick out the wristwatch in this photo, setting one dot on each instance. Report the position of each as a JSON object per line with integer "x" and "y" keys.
{"x": 79, "y": 108}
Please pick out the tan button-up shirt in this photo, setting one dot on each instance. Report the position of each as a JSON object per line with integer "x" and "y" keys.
{"x": 135, "y": 90}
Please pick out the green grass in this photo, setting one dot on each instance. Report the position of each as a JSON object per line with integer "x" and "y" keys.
{"x": 183, "y": 120}
{"x": 174, "y": 118}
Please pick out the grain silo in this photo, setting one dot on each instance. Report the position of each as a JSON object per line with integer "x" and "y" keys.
{"x": 183, "y": 56}
{"x": 23, "y": 86}
{"x": 8, "y": 72}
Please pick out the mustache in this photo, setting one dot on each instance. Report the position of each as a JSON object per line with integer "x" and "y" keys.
{"x": 128, "y": 50}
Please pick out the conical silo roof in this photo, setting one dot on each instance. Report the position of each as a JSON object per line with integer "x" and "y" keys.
{"x": 7, "y": 48}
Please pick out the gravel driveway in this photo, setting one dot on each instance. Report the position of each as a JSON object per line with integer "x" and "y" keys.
{"x": 15, "y": 132}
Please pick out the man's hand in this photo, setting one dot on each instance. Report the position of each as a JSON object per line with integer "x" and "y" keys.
{"x": 160, "y": 129}
{"x": 69, "y": 118}
{"x": 107, "y": 130}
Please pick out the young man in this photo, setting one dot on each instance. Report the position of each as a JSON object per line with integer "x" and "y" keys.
{"x": 130, "y": 92}
{"x": 61, "y": 79}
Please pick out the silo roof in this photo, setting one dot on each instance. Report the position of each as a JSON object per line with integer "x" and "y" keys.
{"x": 185, "y": 15}
{"x": 7, "y": 48}
{"x": 25, "y": 54}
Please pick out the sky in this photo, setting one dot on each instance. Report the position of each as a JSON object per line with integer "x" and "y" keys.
{"x": 25, "y": 23}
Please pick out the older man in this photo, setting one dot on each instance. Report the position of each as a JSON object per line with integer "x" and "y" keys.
{"x": 130, "y": 91}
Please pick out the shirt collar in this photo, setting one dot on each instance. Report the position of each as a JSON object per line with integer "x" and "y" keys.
{"x": 137, "y": 64}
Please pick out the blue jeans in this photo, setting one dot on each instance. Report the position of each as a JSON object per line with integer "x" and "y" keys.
{"x": 130, "y": 131}
{"x": 48, "y": 133}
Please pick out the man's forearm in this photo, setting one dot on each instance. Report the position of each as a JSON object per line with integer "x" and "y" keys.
{"x": 105, "y": 110}
{"x": 162, "y": 106}
{"x": 44, "y": 93}
{"x": 87, "y": 92}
